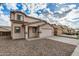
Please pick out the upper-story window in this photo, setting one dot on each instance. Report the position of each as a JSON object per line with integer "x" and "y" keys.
{"x": 20, "y": 17}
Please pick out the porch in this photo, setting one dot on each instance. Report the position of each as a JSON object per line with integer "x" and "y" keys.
{"x": 33, "y": 31}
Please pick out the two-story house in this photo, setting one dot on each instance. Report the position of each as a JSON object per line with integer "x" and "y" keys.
{"x": 23, "y": 26}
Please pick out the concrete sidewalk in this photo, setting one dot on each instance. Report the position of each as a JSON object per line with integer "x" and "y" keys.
{"x": 76, "y": 51}
{"x": 69, "y": 36}
{"x": 65, "y": 40}
{"x": 69, "y": 41}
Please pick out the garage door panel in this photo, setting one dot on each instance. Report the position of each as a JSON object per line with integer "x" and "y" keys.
{"x": 45, "y": 32}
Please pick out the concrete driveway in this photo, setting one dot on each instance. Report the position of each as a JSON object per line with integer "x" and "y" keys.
{"x": 69, "y": 41}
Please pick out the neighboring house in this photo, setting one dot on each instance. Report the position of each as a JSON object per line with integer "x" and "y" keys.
{"x": 65, "y": 29}
{"x": 5, "y": 31}
{"x": 71, "y": 31}
{"x": 77, "y": 31}
{"x": 23, "y": 26}
{"x": 57, "y": 29}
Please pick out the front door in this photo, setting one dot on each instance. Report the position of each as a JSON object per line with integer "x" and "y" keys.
{"x": 33, "y": 32}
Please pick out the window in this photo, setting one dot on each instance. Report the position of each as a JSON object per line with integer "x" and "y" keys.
{"x": 34, "y": 29}
{"x": 20, "y": 17}
{"x": 17, "y": 29}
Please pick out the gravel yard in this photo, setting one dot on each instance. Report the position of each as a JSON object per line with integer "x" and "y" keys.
{"x": 41, "y": 47}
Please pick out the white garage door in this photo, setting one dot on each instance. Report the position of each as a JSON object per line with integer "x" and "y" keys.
{"x": 45, "y": 32}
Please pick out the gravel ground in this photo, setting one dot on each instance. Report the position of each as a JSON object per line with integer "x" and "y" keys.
{"x": 41, "y": 47}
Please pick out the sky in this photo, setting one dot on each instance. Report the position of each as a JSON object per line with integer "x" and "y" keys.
{"x": 54, "y": 13}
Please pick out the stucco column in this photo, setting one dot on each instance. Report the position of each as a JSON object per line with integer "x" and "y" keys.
{"x": 26, "y": 32}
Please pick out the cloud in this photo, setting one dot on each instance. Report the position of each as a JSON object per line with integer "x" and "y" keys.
{"x": 37, "y": 9}
{"x": 63, "y": 10}
{"x": 11, "y": 6}
{"x": 4, "y": 20}
{"x": 72, "y": 15}
{"x": 65, "y": 17}
{"x": 70, "y": 19}
{"x": 24, "y": 7}
{"x": 0, "y": 10}
{"x": 72, "y": 6}
{"x": 65, "y": 7}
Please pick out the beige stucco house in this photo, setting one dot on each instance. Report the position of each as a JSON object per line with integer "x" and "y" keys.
{"x": 23, "y": 26}
{"x": 65, "y": 29}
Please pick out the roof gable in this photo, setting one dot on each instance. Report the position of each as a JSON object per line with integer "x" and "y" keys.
{"x": 32, "y": 18}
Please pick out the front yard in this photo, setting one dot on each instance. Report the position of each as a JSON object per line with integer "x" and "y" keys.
{"x": 39, "y": 47}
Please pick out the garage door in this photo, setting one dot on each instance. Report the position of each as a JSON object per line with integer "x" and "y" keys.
{"x": 5, "y": 35}
{"x": 45, "y": 32}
